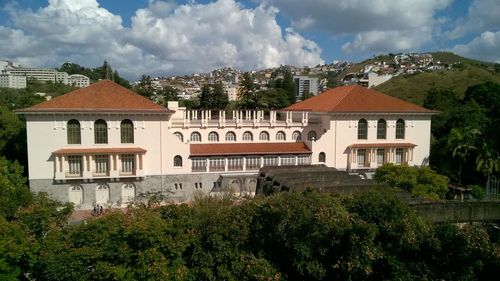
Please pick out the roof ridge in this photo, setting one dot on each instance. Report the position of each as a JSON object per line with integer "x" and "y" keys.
{"x": 345, "y": 95}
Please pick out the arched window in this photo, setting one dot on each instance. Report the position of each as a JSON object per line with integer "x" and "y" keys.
{"x": 264, "y": 136}
{"x": 128, "y": 192}
{"x": 362, "y": 129}
{"x": 400, "y": 129}
{"x": 213, "y": 136}
{"x": 381, "y": 129}
{"x": 280, "y": 136}
{"x": 74, "y": 132}
{"x": 311, "y": 136}
{"x": 322, "y": 157}
{"x": 195, "y": 137}
{"x": 100, "y": 131}
{"x": 101, "y": 194}
{"x": 230, "y": 136}
{"x": 296, "y": 136}
{"x": 247, "y": 136}
{"x": 127, "y": 131}
{"x": 177, "y": 161}
{"x": 76, "y": 195}
{"x": 179, "y": 135}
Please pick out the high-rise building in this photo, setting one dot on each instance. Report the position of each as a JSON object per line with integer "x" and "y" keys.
{"x": 305, "y": 84}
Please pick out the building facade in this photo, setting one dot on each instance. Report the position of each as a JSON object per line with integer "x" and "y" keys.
{"x": 8, "y": 80}
{"x": 104, "y": 144}
{"x": 48, "y": 74}
{"x": 305, "y": 84}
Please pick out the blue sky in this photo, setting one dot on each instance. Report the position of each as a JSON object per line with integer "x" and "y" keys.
{"x": 182, "y": 37}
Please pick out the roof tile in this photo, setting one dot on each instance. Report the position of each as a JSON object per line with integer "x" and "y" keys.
{"x": 355, "y": 98}
{"x": 248, "y": 148}
{"x": 104, "y": 95}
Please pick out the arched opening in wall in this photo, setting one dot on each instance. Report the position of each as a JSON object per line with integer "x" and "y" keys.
{"x": 100, "y": 131}
{"x": 264, "y": 136}
{"x": 74, "y": 132}
{"x": 311, "y": 136}
{"x": 195, "y": 137}
{"x": 230, "y": 136}
{"x": 247, "y": 136}
{"x": 322, "y": 157}
{"x": 177, "y": 161}
{"x": 235, "y": 187}
{"x": 75, "y": 195}
{"x": 381, "y": 129}
{"x": 280, "y": 136}
{"x": 179, "y": 136}
{"x": 400, "y": 129}
{"x": 213, "y": 137}
{"x": 102, "y": 194}
{"x": 296, "y": 136}
{"x": 128, "y": 193}
{"x": 362, "y": 129}
{"x": 127, "y": 131}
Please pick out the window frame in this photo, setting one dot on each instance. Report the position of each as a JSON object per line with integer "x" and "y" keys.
{"x": 264, "y": 133}
{"x": 281, "y": 136}
{"x": 213, "y": 136}
{"x": 74, "y": 132}
{"x": 322, "y": 157}
{"x": 127, "y": 133}
{"x": 381, "y": 129}
{"x": 245, "y": 136}
{"x": 100, "y": 131}
{"x": 177, "y": 161}
{"x": 296, "y": 136}
{"x": 400, "y": 129}
{"x": 193, "y": 134}
{"x": 230, "y": 136}
{"x": 362, "y": 129}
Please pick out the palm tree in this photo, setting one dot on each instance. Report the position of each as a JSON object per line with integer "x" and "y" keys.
{"x": 462, "y": 143}
{"x": 487, "y": 162}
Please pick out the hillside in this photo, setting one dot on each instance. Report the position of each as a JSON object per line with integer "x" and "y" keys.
{"x": 414, "y": 87}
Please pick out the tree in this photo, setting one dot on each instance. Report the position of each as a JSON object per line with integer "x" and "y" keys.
{"x": 13, "y": 190}
{"x": 219, "y": 96}
{"x": 462, "y": 142}
{"x": 487, "y": 162}
{"x": 306, "y": 94}
{"x": 145, "y": 87}
{"x": 289, "y": 86}
{"x": 248, "y": 96}
{"x": 205, "y": 97}
{"x": 168, "y": 93}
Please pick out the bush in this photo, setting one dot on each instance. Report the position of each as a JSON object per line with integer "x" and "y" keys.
{"x": 478, "y": 192}
{"x": 420, "y": 182}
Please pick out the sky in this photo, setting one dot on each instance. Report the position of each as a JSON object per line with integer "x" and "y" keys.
{"x": 163, "y": 38}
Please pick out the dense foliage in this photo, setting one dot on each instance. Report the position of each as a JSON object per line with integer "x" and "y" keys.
{"x": 288, "y": 236}
{"x": 466, "y": 141}
{"x": 420, "y": 182}
{"x": 95, "y": 74}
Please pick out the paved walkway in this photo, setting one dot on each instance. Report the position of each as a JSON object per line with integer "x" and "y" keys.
{"x": 79, "y": 216}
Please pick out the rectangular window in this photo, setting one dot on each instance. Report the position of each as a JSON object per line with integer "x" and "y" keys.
{"x": 235, "y": 164}
{"x": 361, "y": 158}
{"x": 253, "y": 163}
{"x": 380, "y": 156}
{"x": 287, "y": 160}
{"x": 217, "y": 164}
{"x": 101, "y": 164}
{"x": 75, "y": 165}
{"x": 303, "y": 160}
{"x": 399, "y": 156}
{"x": 128, "y": 163}
{"x": 270, "y": 161}
{"x": 199, "y": 164}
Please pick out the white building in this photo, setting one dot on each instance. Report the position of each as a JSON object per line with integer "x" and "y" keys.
{"x": 8, "y": 80}
{"x": 233, "y": 92}
{"x": 305, "y": 84}
{"x": 49, "y": 74}
{"x": 104, "y": 144}
{"x": 78, "y": 80}
{"x": 373, "y": 79}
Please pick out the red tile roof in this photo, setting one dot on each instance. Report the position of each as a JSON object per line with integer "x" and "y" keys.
{"x": 103, "y": 96}
{"x": 355, "y": 98}
{"x": 248, "y": 148}
{"x": 382, "y": 145}
{"x": 103, "y": 150}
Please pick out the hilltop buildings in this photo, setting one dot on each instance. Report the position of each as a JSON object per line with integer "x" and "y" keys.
{"x": 15, "y": 76}
{"x": 104, "y": 144}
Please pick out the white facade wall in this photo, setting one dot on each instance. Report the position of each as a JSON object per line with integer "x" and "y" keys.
{"x": 12, "y": 81}
{"x": 78, "y": 80}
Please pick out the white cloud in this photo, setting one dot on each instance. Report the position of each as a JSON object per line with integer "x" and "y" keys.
{"x": 482, "y": 15}
{"x": 377, "y": 25}
{"x": 484, "y": 47}
{"x": 163, "y": 38}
